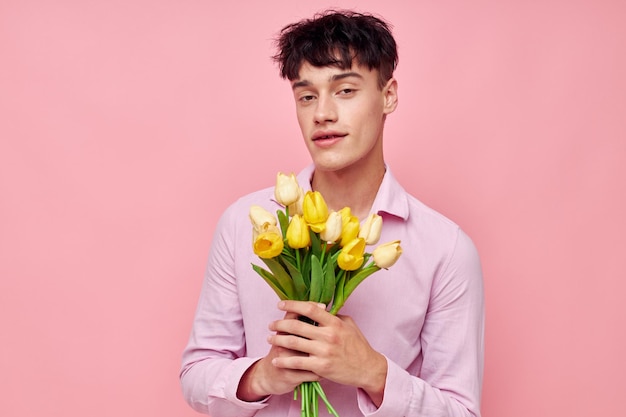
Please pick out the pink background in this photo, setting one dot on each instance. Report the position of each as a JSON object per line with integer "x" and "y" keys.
{"x": 126, "y": 127}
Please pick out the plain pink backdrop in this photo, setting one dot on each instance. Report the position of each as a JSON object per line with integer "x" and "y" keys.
{"x": 126, "y": 127}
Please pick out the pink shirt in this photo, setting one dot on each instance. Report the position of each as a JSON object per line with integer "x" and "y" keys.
{"x": 425, "y": 314}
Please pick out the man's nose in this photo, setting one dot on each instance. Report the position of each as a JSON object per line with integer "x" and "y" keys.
{"x": 325, "y": 111}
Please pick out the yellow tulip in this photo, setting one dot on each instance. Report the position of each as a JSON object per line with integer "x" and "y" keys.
{"x": 350, "y": 230}
{"x": 268, "y": 244}
{"x": 351, "y": 256}
{"x": 315, "y": 211}
{"x": 371, "y": 229}
{"x": 265, "y": 228}
{"x": 261, "y": 218}
{"x": 286, "y": 190}
{"x": 387, "y": 254}
{"x": 346, "y": 213}
{"x": 334, "y": 226}
{"x": 298, "y": 233}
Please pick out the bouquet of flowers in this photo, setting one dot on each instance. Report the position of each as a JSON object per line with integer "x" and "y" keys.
{"x": 313, "y": 254}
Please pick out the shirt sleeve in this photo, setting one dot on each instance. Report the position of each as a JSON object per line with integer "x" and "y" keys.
{"x": 449, "y": 383}
{"x": 214, "y": 361}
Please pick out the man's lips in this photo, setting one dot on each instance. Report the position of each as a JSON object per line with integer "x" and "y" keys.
{"x": 328, "y": 135}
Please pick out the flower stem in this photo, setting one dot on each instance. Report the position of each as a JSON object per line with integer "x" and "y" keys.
{"x": 298, "y": 261}
{"x": 310, "y": 393}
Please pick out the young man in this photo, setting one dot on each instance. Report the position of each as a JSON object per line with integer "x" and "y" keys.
{"x": 409, "y": 341}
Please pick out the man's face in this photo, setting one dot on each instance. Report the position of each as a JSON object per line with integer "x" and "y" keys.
{"x": 341, "y": 115}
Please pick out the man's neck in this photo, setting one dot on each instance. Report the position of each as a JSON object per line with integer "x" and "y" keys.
{"x": 356, "y": 189}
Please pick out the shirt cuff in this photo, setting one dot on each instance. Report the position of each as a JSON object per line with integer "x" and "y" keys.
{"x": 395, "y": 400}
{"x": 238, "y": 368}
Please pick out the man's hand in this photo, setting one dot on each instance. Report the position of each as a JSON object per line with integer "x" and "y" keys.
{"x": 263, "y": 378}
{"x": 335, "y": 349}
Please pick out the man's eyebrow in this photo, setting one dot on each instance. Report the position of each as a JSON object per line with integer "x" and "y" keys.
{"x": 336, "y": 77}
{"x": 303, "y": 83}
{"x": 343, "y": 75}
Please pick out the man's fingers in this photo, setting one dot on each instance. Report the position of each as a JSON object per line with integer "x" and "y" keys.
{"x": 315, "y": 311}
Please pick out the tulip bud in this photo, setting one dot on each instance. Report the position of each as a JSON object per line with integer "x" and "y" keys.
{"x": 346, "y": 213}
{"x": 387, "y": 254}
{"x": 371, "y": 229}
{"x": 334, "y": 226}
{"x": 351, "y": 256}
{"x": 286, "y": 190}
{"x": 261, "y": 218}
{"x": 268, "y": 245}
{"x": 298, "y": 233}
{"x": 315, "y": 211}
{"x": 296, "y": 206}
{"x": 350, "y": 230}
{"x": 265, "y": 228}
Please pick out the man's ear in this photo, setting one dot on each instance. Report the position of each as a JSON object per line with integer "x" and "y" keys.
{"x": 390, "y": 95}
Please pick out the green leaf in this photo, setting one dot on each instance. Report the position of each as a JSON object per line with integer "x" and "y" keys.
{"x": 317, "y": 279}
{"x": 316, "y": 246}
{"x": 283, "y": 220}
{"x": 305, "y": 266}
{"x": 288, "y": 252}
{"x": 338, "y": 298}
{"x": 282, "y": 277}
{"x": 301, "y": 289}
{"x": 328, "y": 289}
{"x": 271, "y": 280}
{"x": 357, "y": 279}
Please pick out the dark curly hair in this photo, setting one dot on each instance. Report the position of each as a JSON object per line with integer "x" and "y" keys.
{"x": 336, "y": 38}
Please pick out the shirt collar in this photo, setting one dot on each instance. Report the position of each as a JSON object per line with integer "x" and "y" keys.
{"x": 391, "y": 197}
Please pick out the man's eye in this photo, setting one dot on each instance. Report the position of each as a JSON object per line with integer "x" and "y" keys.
{"x": 346, "y": 91}
{"x": 307, "y": 98}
